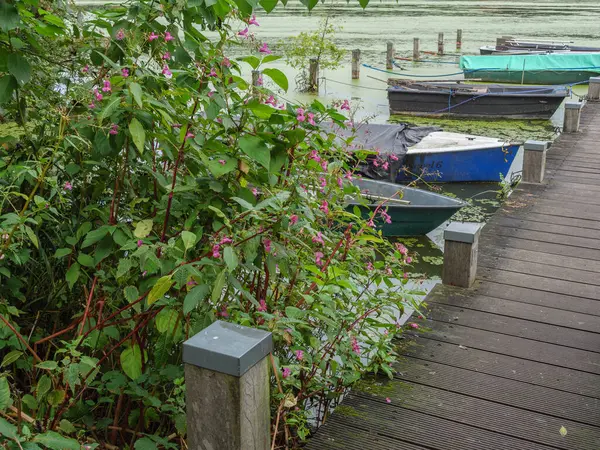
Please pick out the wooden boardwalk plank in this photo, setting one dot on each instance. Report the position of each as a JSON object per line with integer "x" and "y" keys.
{"x": 524, "y": 224}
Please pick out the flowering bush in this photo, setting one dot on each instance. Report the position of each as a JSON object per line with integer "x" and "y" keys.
{"x": 146, "y": 190}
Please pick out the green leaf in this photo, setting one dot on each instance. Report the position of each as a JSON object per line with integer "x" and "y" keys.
{"x": 8, "y": 84}
{"x": 261, "y": 110}
{"x": 32, "y": 236}
{"x": 278, "y": 77}
{"x": 218, "y": 287}
{"x": 145, "y": 444}
{"x": 218, "y": 169}
{"x": 143, "y": 228}
{"x": 67, "y": 427}
{"x": 43, "y": 386}
{"x": 161, "y": 287}
{"x": 131, "y": 361}
{"x": 9, "y": 16}
{"x": 270, "y": 58}
{"x": 73, "y": 274}
{"x": 195, "y": 296}
{"x": 11, "y": 357}
{"x": 5, "y": 400}
{"x": 189, "y": 239}
{"x": 363, "y": 3}
{"x": 55, "y": 441}
{"x": 110, "y": 108}
{"x": 50, "y": 365}
{"x": 137, "y": 134}
{"x": 166, "y": 321}
{"x": 56, "y": 397}
{"x": 62, "y": 252}
{"x": 230, "y": 258}
{"x": 136, "y": 91}
{"x": 85, "y": 260}
{"x": 268, "y": 5}
{"x": 256, "y": 149}
{"x": 131, "y": 293}
{"x": 19, "y": 68}
{"x": 252, "y": 60}
{"x": 123, "y": 267}
{"x": 563, "y": 431}
{"x": 94, "y": 236}
{"x": 7, "y": 429}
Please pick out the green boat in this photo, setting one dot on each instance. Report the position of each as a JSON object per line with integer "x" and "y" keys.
{"x": 413, "y": 212}
{"x": 551, "y": 68}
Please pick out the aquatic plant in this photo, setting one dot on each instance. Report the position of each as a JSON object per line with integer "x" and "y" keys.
{"x": 147, "y": 190}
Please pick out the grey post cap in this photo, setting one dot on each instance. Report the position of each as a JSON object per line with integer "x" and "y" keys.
{"x": 465, "y": 232}
{"x": 227, "y": 348}
{"x": 536, "y": 146}
{"x": 595, "y": 80}
{"x": 573, "y": 105}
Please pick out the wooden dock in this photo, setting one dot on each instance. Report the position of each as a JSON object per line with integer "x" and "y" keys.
{"x": 514, "y": 362}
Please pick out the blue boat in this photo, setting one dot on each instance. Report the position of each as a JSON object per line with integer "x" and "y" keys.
{"x": 452, "y": 157}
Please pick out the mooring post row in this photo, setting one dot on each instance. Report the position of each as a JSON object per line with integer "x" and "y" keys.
{"x": 227, "y": 388}
{"x": 461, "y": 246}
{"x": 572, "y": 116}
{"x": 534, "y": 161}
{"x": 594, "y": 89}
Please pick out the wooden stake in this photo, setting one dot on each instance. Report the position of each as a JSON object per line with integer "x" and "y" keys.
{"x": 389, "y": 56}
{"x": 355, "y": 64}
{"x": 458, "y": 39}
{"x": 313, "y": 75}
{"x": 441, "y": 44}
{"x": 416, "y": 52}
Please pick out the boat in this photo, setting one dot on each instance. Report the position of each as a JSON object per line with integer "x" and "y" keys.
{"x": 413, "y": 212}
{"x": 546, "y": 69}
{"x": 474, "y": 100}
{"x": 446, "y": 157}
{"x": 497, "y": 50}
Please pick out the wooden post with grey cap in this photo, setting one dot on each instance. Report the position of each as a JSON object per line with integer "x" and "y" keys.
{"x": 594, "y": 89}
{"x": 461, "y": 242}
{"x": 389, "y": 56}
{"x": 572, "y": 117}
{"x": 227, "y": 388}
{"x": 534, "y": 161}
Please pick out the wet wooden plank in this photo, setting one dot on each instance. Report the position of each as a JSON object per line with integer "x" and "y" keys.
{"x": 551, "y": 219}
{"x": 502, "y": 390}
{"x": 518, "y": 327}
{"x": 524, "y": 224}
{"x": 543, "y": 247}
{"x": 541, "y": 236}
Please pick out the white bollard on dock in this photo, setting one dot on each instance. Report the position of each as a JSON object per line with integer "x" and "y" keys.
{"x": 534, "y": 161}
{"x": 461, "y": 247}
{"x": 227, "y": 388}
{"x": 594, "y": 90}
{"x": 572, "y": 117}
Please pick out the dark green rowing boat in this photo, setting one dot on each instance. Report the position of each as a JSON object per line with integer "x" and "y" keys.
{"x": 413, "y": 212}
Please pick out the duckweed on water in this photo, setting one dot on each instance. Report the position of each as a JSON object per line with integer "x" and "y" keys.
{"x": 434, "y": 260}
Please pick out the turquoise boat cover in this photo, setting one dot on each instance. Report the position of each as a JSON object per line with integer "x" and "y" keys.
{"x": 517, "y": 63}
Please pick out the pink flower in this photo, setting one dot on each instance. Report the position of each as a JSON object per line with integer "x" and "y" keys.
{"x": 355, "y": 346}
{"x": 226, "y": 62}
{"x": 223, "y": 312}
{"x": 140, "y": 243}
{"x": 348, "y": 176}
{"x": 222, "y": 162}
{"x": 311, "y": 118}
{"x": 345, "y": 105}
{"x": 92, "y": 105}
{"x": 349, "y": 123}
{"x": 401, "y": 248}
{"x": 166, "y": 71}
{"x": 414, "y": 325}
{"x": 405, "y": 276}
{"x": 125, "y": 72}
{"x": 215, "y": 251}
{"x": 106, "y": 87}
{"x": 191, "y": 283}
{"x": 300, "y": 115}
{"x": 340, "y": 183}
{"x": 114, "y": 129}
{"x": 262, "y": 306}
{"x": 370, "y": 266}
{"x": 318, "y": 259}
{"x": 244, "y": 33}
{"x": 387, "y": 399}
{"x": 324, "y": 165}
{"x": 86, "y": 69}
{"x": 68, "y": 186}
{"x": 293, "y": 219}
{"x": 259, "y": 80}
{"x": 286, "y": 372}
{"x": 264, "y": 49}
{"x": 370, "y": 223}
{"x": 393, "y": 157}
{"x": 255, "y": 192}
{"x": 386, "y": 332}
{"x": 225, "y": 240}
{"x": 315, "y": 155}
{"x": 299, "y": 355}
{"x": 168, "y": 37}
{"x": 267, "y": 244}
{"x": 324, "y": 207}
{"x": 152, "y": 36}
{"x": 213, "y": 72}
{"x": 120, "y": 35}
{"x": 282, "y": 106}
{"x": 189, "y": 135}
{"x": 408, "y": 260}
{"x": 388, "y": 271}
{"x": 318, "y": 239}
{"x": 376, "y": 163}
{"x": 385, "y": 166}
{"x": 271, "y": 101}
{"x": 385, "y": 216}
{"x": 210, "y": 94}
{"x": 323, "y": 182}
{"x": 253, "y": 21}
{"x": 166, "y": 56}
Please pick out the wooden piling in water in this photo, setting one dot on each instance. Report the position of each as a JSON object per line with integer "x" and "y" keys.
{"x": 416, "y": 52}
{"x": 441, "y": 44}
{"x": 389, "y": 56}
{"x": 313, "y": 75}
{"x": 256, "y": 80}
{"x": 355, "y": 64}
{"x": 458, "y": 39}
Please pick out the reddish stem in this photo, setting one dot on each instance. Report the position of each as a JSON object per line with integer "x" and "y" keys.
{"x": 87, "y": 306}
